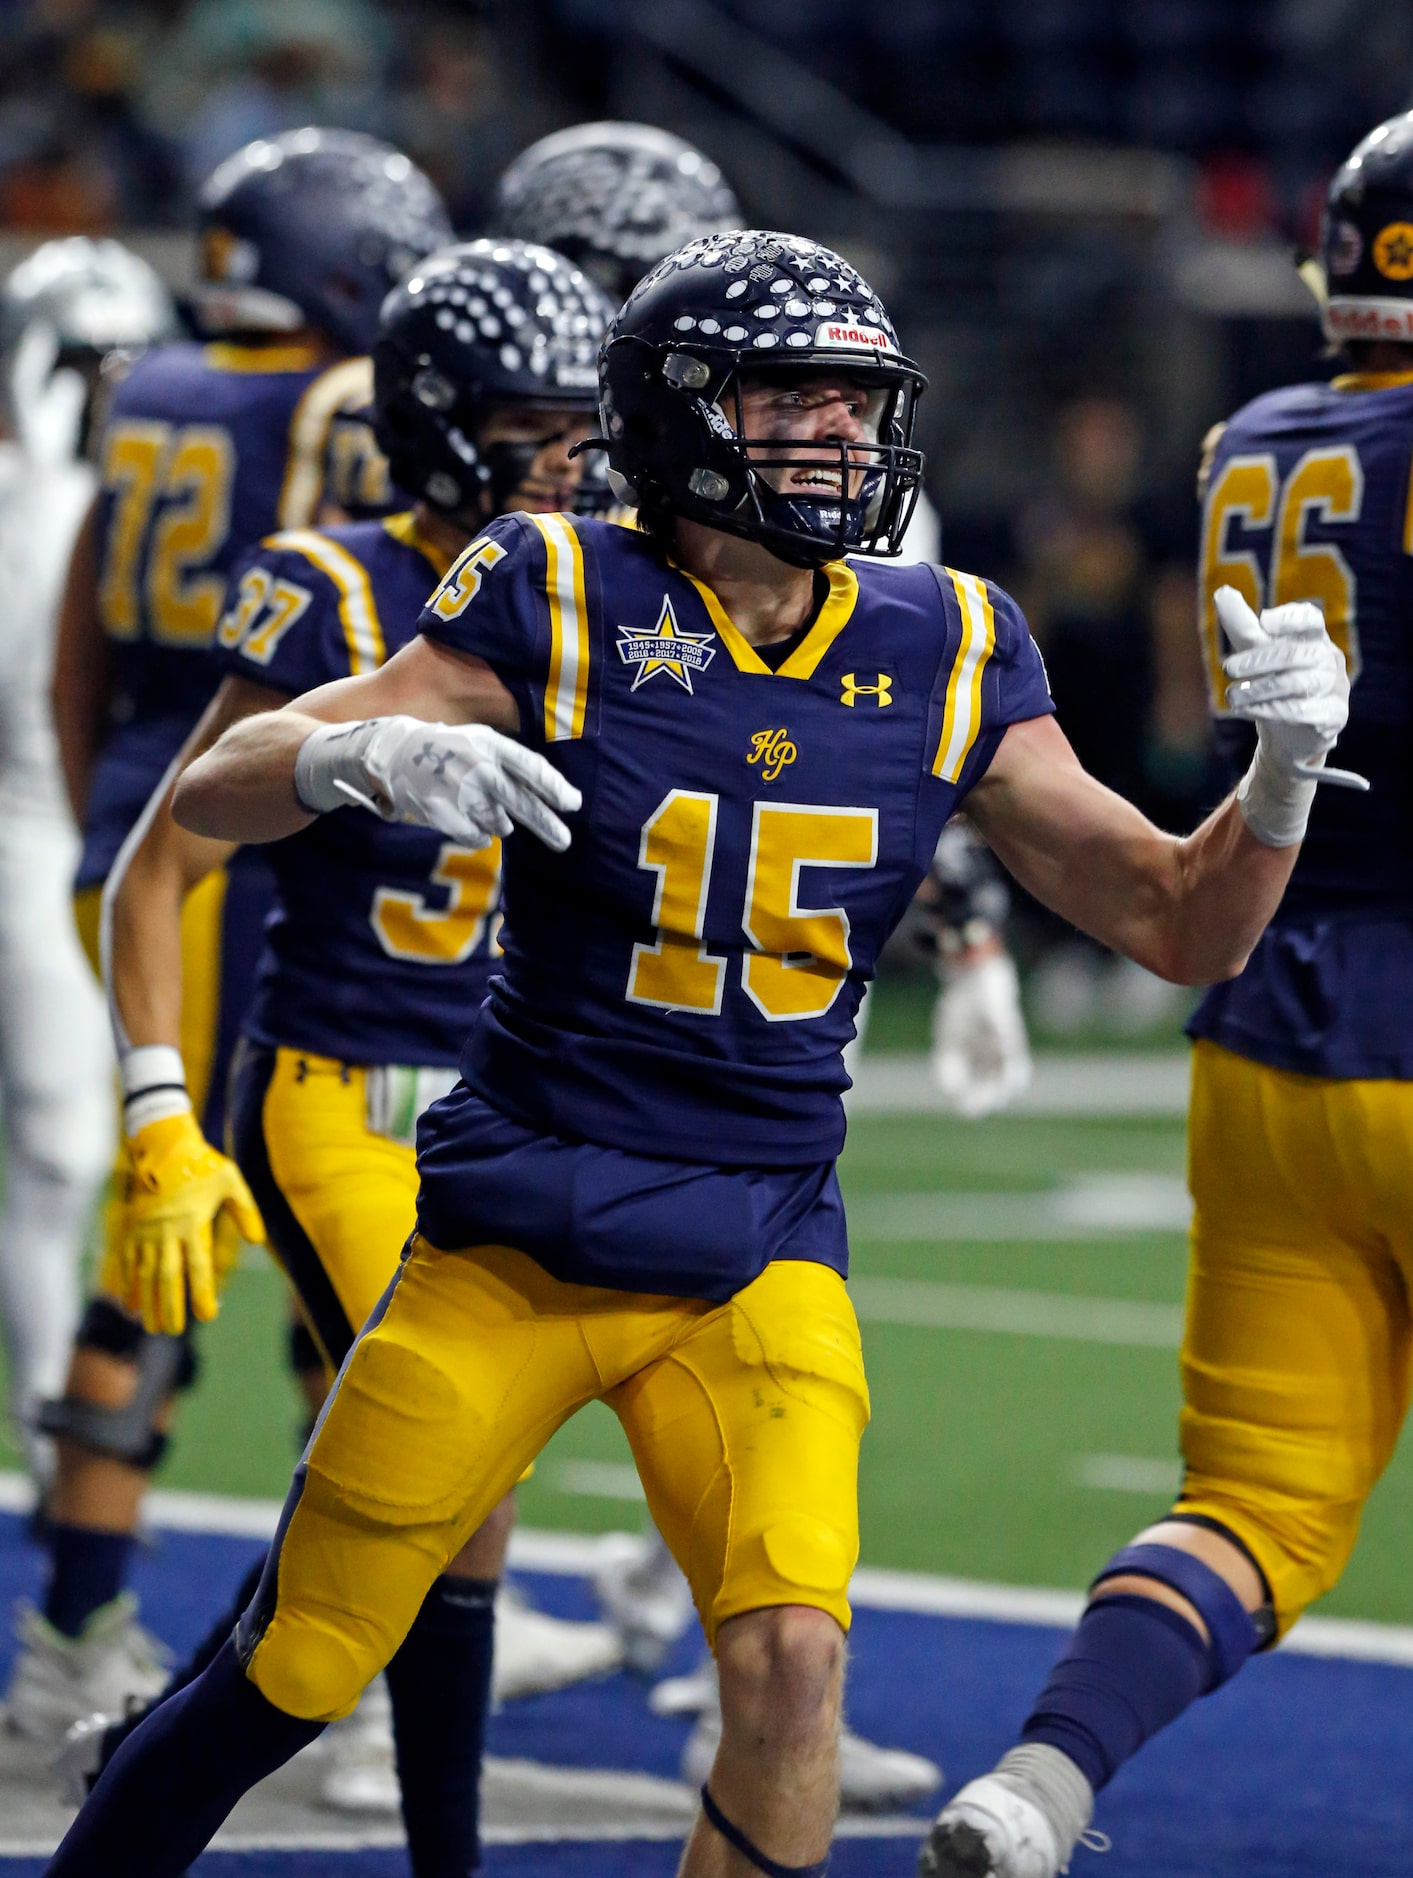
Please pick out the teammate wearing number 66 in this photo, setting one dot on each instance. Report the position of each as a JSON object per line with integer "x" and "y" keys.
{"x": 630, "y": 1194}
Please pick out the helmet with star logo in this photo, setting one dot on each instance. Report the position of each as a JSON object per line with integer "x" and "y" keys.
{"x": 480, "y": 325}
{"x": 615, "y": 198}
{"x": 1366, "y": 238}
{"x": 753, "y": 304}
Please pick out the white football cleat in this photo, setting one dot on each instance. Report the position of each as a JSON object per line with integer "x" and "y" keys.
{"x": 77, "y": 1760}
{"x": 361, "y": 1765}
{"x": 535, "y": 1653}
{"x": 58, "y": 1680}
{"x": 871, "y": 1779}
{"x": 643, "y": 1594}
{"x": 994, "y": 1829}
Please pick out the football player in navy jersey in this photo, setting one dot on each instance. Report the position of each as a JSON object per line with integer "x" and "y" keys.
{"x": 383, "y": 936}
{"x": 1296, "y": 1354}
{"x": 630, "y": 1195}
{"x": 207, "y": 447}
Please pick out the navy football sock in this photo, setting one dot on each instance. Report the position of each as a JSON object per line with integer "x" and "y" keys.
{"x": 87, "y": 1569}
{"x": 1132, "y": 1666}
{"x": 205, "y": 1653}
{"x": 172, "y": 1783}
{"x": 440, "y": 1683}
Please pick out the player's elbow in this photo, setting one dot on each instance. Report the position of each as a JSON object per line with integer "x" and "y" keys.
{"x": 1191, "y": 960}
{"x": 196, "y": 803}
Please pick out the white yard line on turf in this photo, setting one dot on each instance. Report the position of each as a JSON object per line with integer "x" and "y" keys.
{"x": 1086, "y": 1208}
{"x": 921, "y": 1304}
{"x": 576, "y": 1554}
{"x": 1094, "y": 1082}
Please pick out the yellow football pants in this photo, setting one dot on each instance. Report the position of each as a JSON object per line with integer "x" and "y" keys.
{"x": 352, "y": 1193}
{"x": 744, "y": 1419}
{"x": 1295, "y": 1362}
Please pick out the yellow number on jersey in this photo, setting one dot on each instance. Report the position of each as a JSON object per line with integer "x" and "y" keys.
{"x": 803, "y": 952}
{"x": 1327, "y": 484}
{"x": 408, "y": 928}
{"x": 676, "y": 972}
{"x": 463, "y": 579}
{"x": 171, "y": 489}
{"x": 132, "y": 454}
{"x": 262, "y": 613}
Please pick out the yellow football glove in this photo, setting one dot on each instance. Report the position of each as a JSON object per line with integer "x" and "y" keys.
{"x": 186, "y": 1211}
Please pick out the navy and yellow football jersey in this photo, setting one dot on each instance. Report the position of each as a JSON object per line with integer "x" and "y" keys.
{"x": 1309, "y": 497}
{"x": 681, "y": 982}
{"x": 206, "y": 449}
{"x": 383, "y": 935}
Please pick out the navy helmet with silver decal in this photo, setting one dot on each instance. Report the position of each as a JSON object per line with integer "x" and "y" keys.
{"x": 1366, "y": 238}
{"x": 614, "y": 197}
{"x": 313, "y": 227}
{"x": 476, "y": 327}
{"x": 670, "y": 377}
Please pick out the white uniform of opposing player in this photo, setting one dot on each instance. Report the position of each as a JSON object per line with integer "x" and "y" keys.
{"x": 63, "y": 309}
{"x": 55, "y": 1054}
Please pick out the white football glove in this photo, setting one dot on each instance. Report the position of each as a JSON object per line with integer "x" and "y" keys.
{"x": 48, "y": 403}
{"x": 467, "y": 780}
{"x": 1288, "y": 678}
{"x": 980, "y": 1051}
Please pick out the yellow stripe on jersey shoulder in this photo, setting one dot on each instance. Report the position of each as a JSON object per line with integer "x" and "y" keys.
{"x": 961, "y": 717}
{"x": 404, "y": 528}
{"x": 567, "y": 686}
{"x": 222, "y": 356}
{"x": 358, "y": 610}
{"x": 347, "y": 386}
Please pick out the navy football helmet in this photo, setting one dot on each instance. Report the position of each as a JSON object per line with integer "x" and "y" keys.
{"x": 615, "y": 198}
{"x": 312, "y": 227}
{"x": 477, "y": 326}
{"x": 670, "y": 373}
{"x": 1366, "y": 238}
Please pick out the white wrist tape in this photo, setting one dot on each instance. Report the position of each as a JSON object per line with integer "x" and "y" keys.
{"x": 154, "y": 1085}
{"x": 1275, "y": 802}
{"x": 329, "y": 770}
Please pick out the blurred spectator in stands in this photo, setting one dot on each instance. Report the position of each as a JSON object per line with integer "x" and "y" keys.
{"x": 457, "y": 111}
{"x": 1104, "y": 574}
{"x": 75, "y": 155}
{"x": 238, "y": 69}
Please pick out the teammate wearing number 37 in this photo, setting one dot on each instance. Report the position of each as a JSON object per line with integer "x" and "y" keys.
{"x": 630, "y": 1195}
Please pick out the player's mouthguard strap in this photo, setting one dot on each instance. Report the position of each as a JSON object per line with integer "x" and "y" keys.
{"x": 736, "y": 1838}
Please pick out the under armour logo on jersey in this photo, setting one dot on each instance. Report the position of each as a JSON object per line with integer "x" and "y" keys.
{"x": 773, "y": 750}
{"x": 881, "y": 690}
{"x": 665, "y": 648}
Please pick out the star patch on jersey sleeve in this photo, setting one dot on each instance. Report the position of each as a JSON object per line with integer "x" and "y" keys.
{"x": 665, "y": 648}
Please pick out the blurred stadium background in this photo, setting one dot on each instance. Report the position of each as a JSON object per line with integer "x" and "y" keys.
{"x": 1083, "y": 215}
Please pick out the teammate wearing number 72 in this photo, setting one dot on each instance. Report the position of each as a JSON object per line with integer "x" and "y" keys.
{"x": 631, "y": 1194}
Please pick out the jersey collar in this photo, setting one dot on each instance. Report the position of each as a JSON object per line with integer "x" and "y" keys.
{"x": 1370, "y": 381}
{"x": 834, "y": 616}
{"x": 224, "y": 357}
{"x": 404, "y": 528}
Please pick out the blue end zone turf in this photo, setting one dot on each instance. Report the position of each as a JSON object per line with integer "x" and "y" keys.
{"x": 1298, "y": 1770}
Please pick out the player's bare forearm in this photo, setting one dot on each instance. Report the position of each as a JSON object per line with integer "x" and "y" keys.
{"x": 145, "y": 894}
{"x": 1190, "y": 909}
{"x": 79, "y": 690}
{"x": 243, "y": 788}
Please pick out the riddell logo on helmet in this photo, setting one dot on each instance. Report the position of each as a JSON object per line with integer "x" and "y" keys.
{"x": 870, "y": 338}
{"x": 1369, "y": 319}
